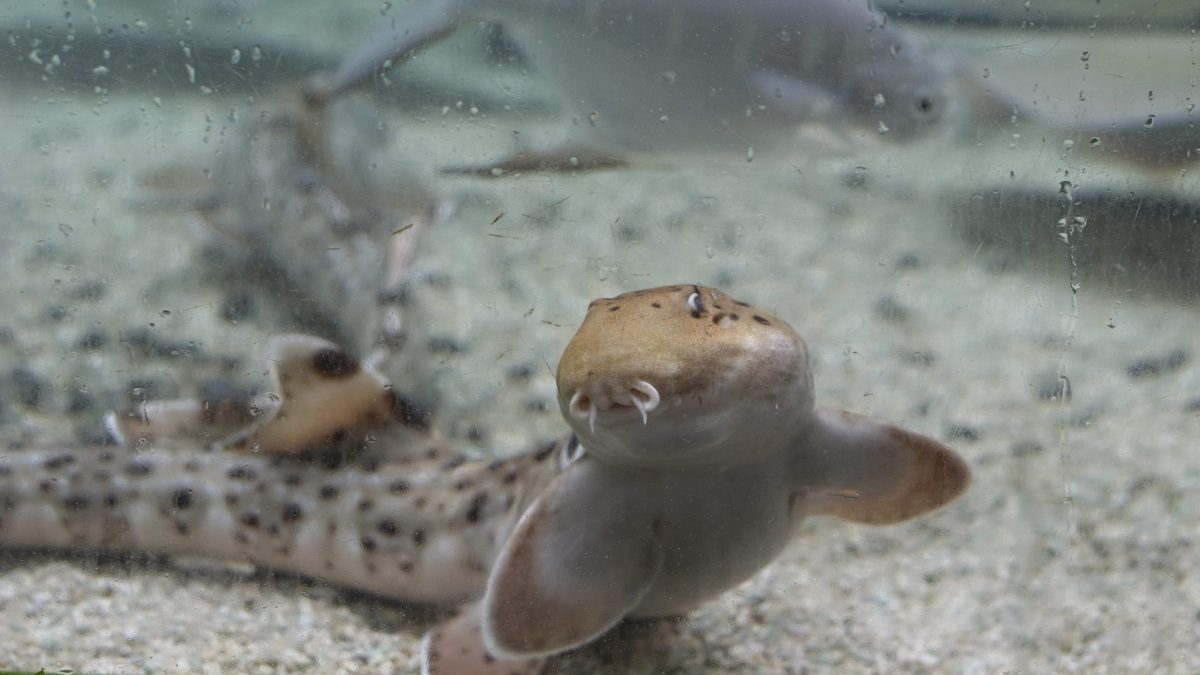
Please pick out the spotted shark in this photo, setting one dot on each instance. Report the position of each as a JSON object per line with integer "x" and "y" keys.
{"x": 695, "y": 451}
{"x": 690, "y": 75}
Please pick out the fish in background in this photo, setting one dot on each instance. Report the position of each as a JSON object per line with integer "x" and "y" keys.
{"x": 691, "y": 76}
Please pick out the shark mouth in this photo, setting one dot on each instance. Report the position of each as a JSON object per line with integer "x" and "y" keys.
{"x": 641, "y": 395}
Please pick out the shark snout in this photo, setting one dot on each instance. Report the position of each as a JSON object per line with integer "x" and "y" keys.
{"x": 597, "y": 398}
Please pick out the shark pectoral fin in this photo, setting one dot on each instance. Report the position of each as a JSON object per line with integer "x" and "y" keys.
{"x": 455, "y": 647}
{"x": 876, "y": 473}
{"x": 570, "y": 571}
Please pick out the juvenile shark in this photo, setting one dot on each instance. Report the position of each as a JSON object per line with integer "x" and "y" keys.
{"x": 696, "y": 451}
{"x": 691, "y": 75}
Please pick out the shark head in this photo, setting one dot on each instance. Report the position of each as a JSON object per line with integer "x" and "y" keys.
{"x": 683, "y": 374}
{"x": 902, "y": 94}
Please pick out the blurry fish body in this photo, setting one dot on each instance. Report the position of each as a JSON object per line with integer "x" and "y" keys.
{"x": 671, "y": 76}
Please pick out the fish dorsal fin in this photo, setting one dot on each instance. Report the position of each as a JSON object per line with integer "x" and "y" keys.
{"x": 571, "y": 569}
{"x": 316, "y": 393}
{"x": 455, "y": 647}
{"x": 872, "y": 472}
{"x": 318, "y": 390}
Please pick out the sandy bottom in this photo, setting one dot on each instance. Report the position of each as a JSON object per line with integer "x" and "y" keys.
{"x": 1074, "y": 551}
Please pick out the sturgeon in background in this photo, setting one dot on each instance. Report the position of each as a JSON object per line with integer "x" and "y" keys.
{"x": 691, "y": 75}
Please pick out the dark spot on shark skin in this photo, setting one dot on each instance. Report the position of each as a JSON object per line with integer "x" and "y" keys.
{"x": 291, "y": 512}
{"x": 739, "y": 303}
{"x": 398, "y": 486}
{"x": 241, "y": 473}
{"x": 418, "y": 537}
{"x": 76, "y": 502}
{"x": 231, "y": 499}
{"x": 462, "y": 485}
{"x": 333, "y": 363}
{"x": 57, "y": 462}
{"x": 387, "y": 527}
{"x": 250, "y": 519}
{"x": 614, "y": 308}
{"x": 293, "y": 479}
{"x": 365, "y": 505}
{"x": 368, "y": 544}
{"x": 762, "y": 320}
{"x": 139, "y": 469}
{"x": 182, "y": 528}
{"x": 191, "y": 466}
{"x": 182, "y": 498}
{"x": 656, "y": 305}
{"x": 45, "y": 486}
{"x": 5, "y": 470}
{"x": 273, "y": 530}
{"x": 328, "y": 492}
{"x": 111, "y": 501}
{"x": 476, "y": 509}
{"x": 406, "y": 566}
{"x": 718, "y": 316}
{"x": 453, "y": 464}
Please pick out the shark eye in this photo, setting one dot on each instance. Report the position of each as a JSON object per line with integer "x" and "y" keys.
{"x": 694, "y": 303}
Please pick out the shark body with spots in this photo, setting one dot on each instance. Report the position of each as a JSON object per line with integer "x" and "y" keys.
{"x": 696, "y": 451}
{"x": 691, "y": 75}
